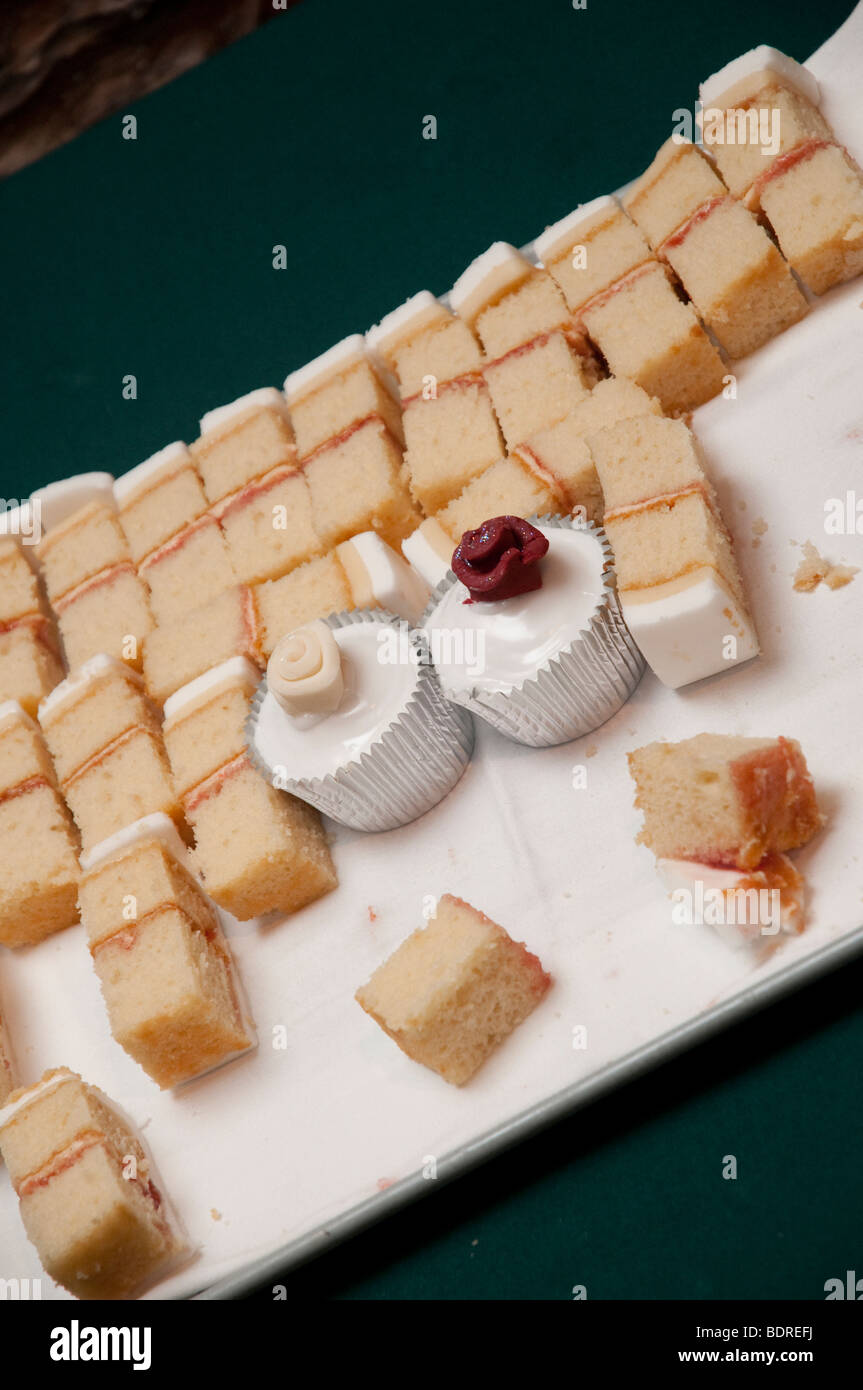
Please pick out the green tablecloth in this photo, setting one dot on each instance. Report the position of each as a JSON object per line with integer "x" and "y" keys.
{"x": 153, "y": 258}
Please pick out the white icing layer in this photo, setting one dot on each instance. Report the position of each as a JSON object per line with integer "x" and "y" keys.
{"x": 498, "y": 646}
{"x": 395, "y": 326}
{"x": 685, "y": 636}
{"x": 168, "y": 460}
{"x": 156, "y": 826}
{"x": 335, "y": 359}
{"x": 734, "y": 81}
{"x": 486, "y": 277}
{"x": 429, "y": 549}
{"x": 394, "y": 585}
{"x": 58, "y": 501}
{"x": 73, "y": 685}
{"x": 264, "y": 398}
{"x": 33, "y": 1093}
{"x": 561, "y": 236}
{"x": 379, "y": 676}
{"x": 237, "y": 670}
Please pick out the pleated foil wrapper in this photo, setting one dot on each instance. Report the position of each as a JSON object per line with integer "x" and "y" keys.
{"x": 576, "y": 690}
{"x": 412, "y": 766}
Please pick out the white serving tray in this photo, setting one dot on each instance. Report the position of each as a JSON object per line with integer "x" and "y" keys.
{"x": 275, "y": 1157}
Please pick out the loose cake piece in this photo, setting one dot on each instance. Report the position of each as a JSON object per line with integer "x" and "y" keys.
{"x": 535, "y": 368}
{"x": 38, "y": 847}
{"x": 358, "y": 482}
{"x": 723, "y": 800}
{"x": 104, "y": 736}
{"x": 726, "y": 262}
{"x": 87, "y": 1189}
{"x": 379, "y": 578}
{"x": 775, "y": 150}
{"x": 158, "y": 498}
{"x": 257, "y": 849}
{"x": 314, "y": 590}
{"x": 189, "y": 569}
{"x": 100, "y": 602}
{"x": 166, "y": 971}
{"x": 454, "y": 990}
{"x": 628, "y": 306}
{"x": 8, "y": 1073}
{"x": 242, "y": 441}
{"x": 678, "y": 580}
{"x": 450, "y": 427}
{"x": 227, "y": 625}
{"x": 513, "y": 486}
{"x": 336, "y": 390}
{"x": 268, "y": 525}
{"x": 743, "y": 905}
{"x": 30, "y": 662}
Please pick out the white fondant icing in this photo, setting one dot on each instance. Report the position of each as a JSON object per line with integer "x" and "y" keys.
{"x": 561, "y": 235}
{"x": 393, "y": 325}
{"x": 265, "y": 397}
{"x": 393, "y": 583}
{"x": 237, "y": 670}
{"x": 429, "y": 550}
{"x": 156, "y": 826}
{"x": 498, "y": 646}
{"x": 497, "y": 266}
{"x": 734, "y": 80}
{"x": 684, "y": 636}
{"x": 172, "y": 457}
{"x": 335, "y": 359}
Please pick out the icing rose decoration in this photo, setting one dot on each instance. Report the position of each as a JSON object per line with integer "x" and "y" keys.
{"x": 305, "y": 670}
{"x": 500, "y": 559}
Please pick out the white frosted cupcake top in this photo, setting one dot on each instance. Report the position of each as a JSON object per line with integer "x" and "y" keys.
{"x": 237, "y": 670}
{"x": 400, "y": 324}
{"x": 73, "y": 686}
{"x": 735, "y": 82}
{"x": 264, "y": 398}
{"x": 497, "y": 270}
{"x": 336, "y": 359}
{"x": 380, "y": 675}
{"x": 168, "y": 460}
{"x": 156, "y": 826}
{"x": 560, "y": 236}
{"x": 498, "y": 646}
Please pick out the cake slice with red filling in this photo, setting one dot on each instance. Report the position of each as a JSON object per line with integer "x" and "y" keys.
{"x": 30, "y": 663}
{"x": 335, "y": 391}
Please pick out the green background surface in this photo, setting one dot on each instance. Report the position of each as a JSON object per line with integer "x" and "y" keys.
{"x": 154, "y": 258}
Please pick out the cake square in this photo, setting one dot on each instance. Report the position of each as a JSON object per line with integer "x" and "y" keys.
{"x": 444, "y": 352}
{"x": 511, "y": 487}
{"x": 735, "y": 135}
{"x": 109, "y": 613}
{"x": 614, "y": 398}
{"x": 590, "y": 249}
{"x": 23, "y": 753}
{"x": 90, "y": 709}
{"x": 257, "y": 850}
{"x": 189, "y": 569}
{"x": 335, "y": 391}
{"x": 451, "y": 439}
{"x": 535, "y": 307}
{"x": 454, "y": 990}
{"x": 813, "y": 199}
{"x": 39, "y": 852}
{"x": 666, "y": 538}
{"x": 402, "y": 326}
{"x": 205, "y": 721}
{"x": 679, "y": 180}
{"x": 535, "y": 385}
{"x": 87, "y": 1189}
{"x": 19, "y": 591}
{"x": 358, "y": 483}
{"x": 646, "y": 457}
{"x": 243, "y": 441}
{"x": 30, "y": 664}
{"x": 647, "y": 334}
{"x": 268, "y": 526}
{"x": 127, "y": 779}
{"x": 724, "y": 800}
{"x": 314, "y": 590}
{"x": 561, "y": 451}
{"x": 489, "y": 279}
{"x": 88, "y": 542}
{"x": 227, "y": 625}
{"x": 158, "y": 498}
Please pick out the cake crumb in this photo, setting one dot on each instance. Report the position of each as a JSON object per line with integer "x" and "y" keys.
{"x": 384, "y": 1183}
{"x": 591, "y": 750}
{"x": 760, "y": 527}
{"x": 814, "y": 570}
{"x": 215, "y": 1214}
{"x": 373, "y": 916}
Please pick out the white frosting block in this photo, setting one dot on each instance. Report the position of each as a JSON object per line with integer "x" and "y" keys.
{"x": 557, "y": 239}
{"x": 156, "y": 826}
{"x": 336, "y": 359}
{"x": 685, "y": 636}
{"x": 704, "y": 895}
{"x": 736, "y": 81}
{"x": 264, "y": 398}
{"x": 497, "y": 270}
{"x": 85, "y": 675}
{"x": 429, "y": 550}
{"x": 237, "y": 670}
{"x": 382, "y": 573}
{"x": 168, "y": 460}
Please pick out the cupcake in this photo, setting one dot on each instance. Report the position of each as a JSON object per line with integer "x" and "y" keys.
{"x": 350, "y": 717}
{"x": 527, "y": 631}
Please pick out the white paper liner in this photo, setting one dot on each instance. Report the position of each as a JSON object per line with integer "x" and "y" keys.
{"x": 404, "y": 773}
{"x": 576, "y": 690}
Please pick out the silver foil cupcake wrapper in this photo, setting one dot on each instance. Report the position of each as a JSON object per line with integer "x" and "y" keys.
{"x": 579, "y": 688}
{"x": 404, "y": 773}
